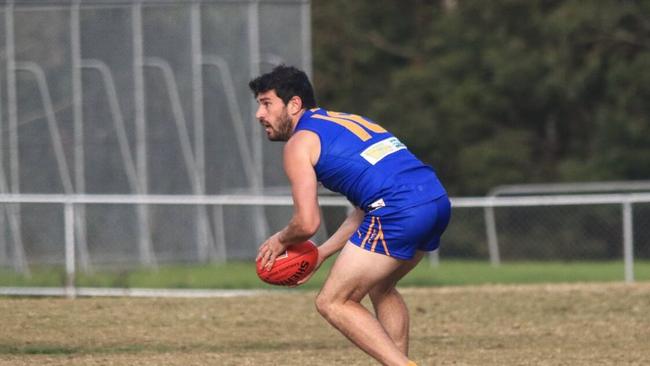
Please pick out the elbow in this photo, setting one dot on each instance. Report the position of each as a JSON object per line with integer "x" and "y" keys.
{"x": 309, "y": 227}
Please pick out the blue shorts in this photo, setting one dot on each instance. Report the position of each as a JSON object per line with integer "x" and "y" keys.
{"x": 400, "y": 234}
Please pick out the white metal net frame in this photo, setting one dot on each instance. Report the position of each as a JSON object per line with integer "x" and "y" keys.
{"x": 140, "y": 97}
{"x": 70, "y": 202}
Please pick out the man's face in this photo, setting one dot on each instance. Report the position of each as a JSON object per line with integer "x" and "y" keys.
{"x": 273, "y": 116}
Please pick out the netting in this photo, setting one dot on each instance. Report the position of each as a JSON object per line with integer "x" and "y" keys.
{"x": 145, "y": 97}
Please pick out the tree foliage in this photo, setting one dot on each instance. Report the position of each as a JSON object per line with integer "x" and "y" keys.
{"x": 496, "y": 92}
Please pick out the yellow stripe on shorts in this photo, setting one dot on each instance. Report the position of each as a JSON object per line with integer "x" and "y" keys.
{"x": 372, "y": 224}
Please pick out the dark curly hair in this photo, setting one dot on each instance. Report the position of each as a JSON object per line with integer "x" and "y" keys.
{"x": 287, "y": 81}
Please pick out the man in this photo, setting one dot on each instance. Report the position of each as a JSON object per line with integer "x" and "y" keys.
{"x": 401, "y": 209}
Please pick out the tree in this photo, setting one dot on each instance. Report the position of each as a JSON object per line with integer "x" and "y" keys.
{"x": 496, "y": 92}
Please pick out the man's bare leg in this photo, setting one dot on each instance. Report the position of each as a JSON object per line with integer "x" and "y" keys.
{"x": 354, "y": 273}
{"x": 390, "y": 308}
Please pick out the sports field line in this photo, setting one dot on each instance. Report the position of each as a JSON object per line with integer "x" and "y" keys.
{"x": 130, "y": 292}
{"x": 225, "y": 293}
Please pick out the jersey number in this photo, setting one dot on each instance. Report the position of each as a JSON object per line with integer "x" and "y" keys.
{"x": 353, "y": 123}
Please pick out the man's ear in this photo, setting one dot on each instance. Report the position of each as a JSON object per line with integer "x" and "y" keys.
{"x": 295, "y": 105}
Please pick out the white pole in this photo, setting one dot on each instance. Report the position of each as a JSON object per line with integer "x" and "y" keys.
{"x": 4, "y": 254}
{"x": 197, "y": 94}
{"x": 493, "y": 241}
{"x": 70, "y": 265}
{"x": 628, "y": 242}
{"x": 434, "y": 258}
{"x": 78, "y": 131}
{"x": 305, "y": 12}
{"x": 12, "y": 98}
{"x": 220, "y": 234}
{"x": 255, "y": 59}
{"x": 261, "y": 225}
{"x": 147, "y": 255}
{"x": 20, "y": 260}
{"x": 205, "y": 247}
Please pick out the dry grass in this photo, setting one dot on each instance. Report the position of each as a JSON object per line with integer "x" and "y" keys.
{"x": 594, "y": 324}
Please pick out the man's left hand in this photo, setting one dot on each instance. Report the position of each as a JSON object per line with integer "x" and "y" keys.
{"x": 269, "y": 250}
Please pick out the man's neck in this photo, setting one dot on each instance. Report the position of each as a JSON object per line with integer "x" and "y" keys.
{"x": 296, "y": 118}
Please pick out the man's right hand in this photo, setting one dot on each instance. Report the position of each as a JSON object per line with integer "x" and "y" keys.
{"x": 319, "y": 261}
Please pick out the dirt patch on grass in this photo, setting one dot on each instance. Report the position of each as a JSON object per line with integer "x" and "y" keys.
{"x": 590, "y": 324}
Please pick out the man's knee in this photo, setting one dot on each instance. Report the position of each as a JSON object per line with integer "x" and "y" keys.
{"x": 324, "y": 305}
{"x": 330, "y": 304}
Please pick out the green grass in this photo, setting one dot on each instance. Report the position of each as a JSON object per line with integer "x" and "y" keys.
{"x": 241, "y": 275}
{"x": 477, "y": 273}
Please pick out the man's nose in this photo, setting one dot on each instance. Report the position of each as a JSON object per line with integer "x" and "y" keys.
{"x": 259, "y": 113}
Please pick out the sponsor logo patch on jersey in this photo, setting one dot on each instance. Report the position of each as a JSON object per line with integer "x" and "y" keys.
{"x": 379, "y": 150}
{"x": 376, "y": 205}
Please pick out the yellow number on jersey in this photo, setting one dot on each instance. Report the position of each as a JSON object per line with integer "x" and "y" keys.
{"x": 352, "y": 123}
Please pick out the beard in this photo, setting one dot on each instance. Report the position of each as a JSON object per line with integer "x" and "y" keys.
{"x": 284, "y": 130}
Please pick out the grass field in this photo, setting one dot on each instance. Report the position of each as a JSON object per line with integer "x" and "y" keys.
{"x": 554, "y": 324}
{"x": 242, "y": 275}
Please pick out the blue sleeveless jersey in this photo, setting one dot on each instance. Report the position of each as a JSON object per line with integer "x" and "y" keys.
{"x": 367, "y": 164}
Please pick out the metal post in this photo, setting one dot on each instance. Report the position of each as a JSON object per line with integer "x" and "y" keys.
{"x": 70, "y": 266}
{"x": 255, "y": 59}
{"x": 434, "y": 258}
{"x": 12, "y": 98}
{"x": 139, "y": 99}
{"x": 77, "y": 116}
{"x": 305, "y": 17}
{"x": 493, "y": 242}
{"x": 220, "y": 234}
{"x": 628, "y": 242}
{"x": 20, "y": 262}
{"x": 197, "y": 94}
{"x": 147, "y": 255}
{"x": 4, "y": 254}
{"x": 206, "y": 248}
{"x": 261, "y": 226}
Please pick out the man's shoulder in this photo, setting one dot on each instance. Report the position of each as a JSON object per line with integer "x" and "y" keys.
{"x": 303, "y": 142}
{"x": 303, "y": 136}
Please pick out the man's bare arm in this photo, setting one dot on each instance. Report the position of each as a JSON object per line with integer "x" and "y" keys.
{"x": 300, "y": 155}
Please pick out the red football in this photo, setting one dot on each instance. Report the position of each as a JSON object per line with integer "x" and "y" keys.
{"x": 291, "y": 266}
